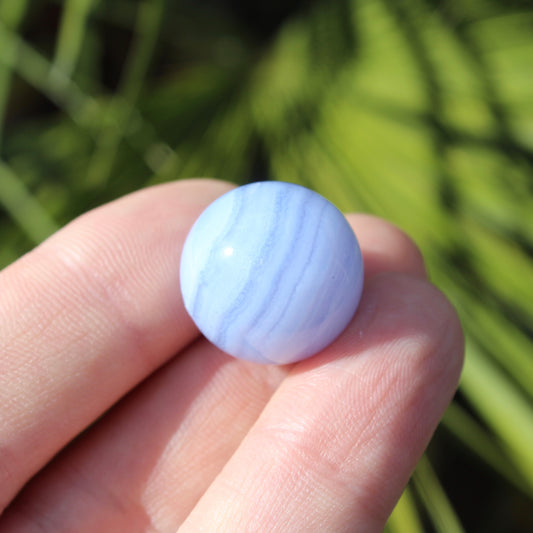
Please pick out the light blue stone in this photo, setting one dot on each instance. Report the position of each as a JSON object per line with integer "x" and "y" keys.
{"x": 271, "y": 272}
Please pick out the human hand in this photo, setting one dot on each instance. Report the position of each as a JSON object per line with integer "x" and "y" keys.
{"x": 116, "y": 416}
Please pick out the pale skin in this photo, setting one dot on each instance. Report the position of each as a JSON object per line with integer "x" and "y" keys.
{"x": 117, "y": 416}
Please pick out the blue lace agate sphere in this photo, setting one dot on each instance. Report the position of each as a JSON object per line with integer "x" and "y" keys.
{"x": 271, "y": 272}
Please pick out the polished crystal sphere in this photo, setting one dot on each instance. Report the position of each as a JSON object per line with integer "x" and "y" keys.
{"x": 271, "y": 272}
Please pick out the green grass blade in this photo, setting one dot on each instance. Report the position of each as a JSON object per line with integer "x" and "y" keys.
{"x": 481, "y": 443}
{"x": 502, "y": 406}
{"x": 405, "y": 518}
{"x": 37, "y": 70}
{"x": 432, "y": 494}
{"x": 11, "y": 14}
{"x": 23, "y": 208}
{"x": 149, "y": 18}
{"x": 509, "y": 345}
{"x": 88, "y": 113}
{"x": 71, "y": 34}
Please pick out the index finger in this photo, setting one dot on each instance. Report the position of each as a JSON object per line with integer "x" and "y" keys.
{"x": 86, "y": 316}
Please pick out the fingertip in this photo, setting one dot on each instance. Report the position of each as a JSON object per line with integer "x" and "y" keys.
{"x": 385, "y": 247}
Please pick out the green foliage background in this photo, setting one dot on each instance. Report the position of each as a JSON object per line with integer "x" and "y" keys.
{"x": 416, "y": 110}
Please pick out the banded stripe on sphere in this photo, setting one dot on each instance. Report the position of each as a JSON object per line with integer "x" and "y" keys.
{"x": 271, "y": 272}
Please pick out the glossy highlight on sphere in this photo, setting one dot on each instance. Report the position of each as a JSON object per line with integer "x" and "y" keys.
{"x": 271, "y": 272}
